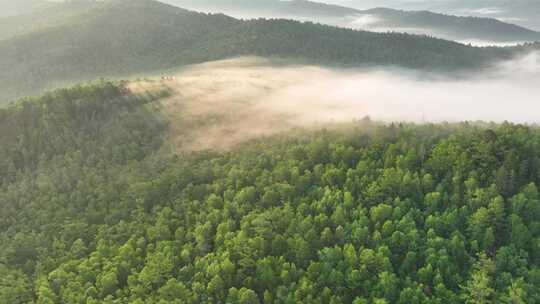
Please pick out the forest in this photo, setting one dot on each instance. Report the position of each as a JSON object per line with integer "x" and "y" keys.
{"x": 122, "y": 38}
{"x": 96, "y": 209}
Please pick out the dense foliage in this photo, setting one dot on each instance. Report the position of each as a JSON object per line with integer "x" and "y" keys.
{"x": 93, "y": 212}
{"x": 61, "y": 162}
{"x": 122, "y": 37}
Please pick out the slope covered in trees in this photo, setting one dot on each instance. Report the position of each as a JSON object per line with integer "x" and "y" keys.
{"x": 121, "y": 37}
{"x": 379, "y": 19}
{"x": 457, "y": 27}
{"x": 94, "y": 212}
{"x": 58, "y": 155}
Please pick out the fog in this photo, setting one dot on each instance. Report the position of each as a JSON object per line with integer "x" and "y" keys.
{"x": 406, "y": 96}
{"x": 228, "y": 102}
{"x": 374, "y": 23}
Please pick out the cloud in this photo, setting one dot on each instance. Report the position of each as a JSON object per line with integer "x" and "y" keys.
{"x": 365, "y": 20}
{"x": 488, "y": 11}
{"x": 485, "y": 43}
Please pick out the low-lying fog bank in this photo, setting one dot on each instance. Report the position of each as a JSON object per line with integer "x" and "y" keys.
{"x": 227, "y": 102}
{"x": 375, "y": 23}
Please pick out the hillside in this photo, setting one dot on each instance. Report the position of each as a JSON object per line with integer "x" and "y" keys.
{"x": 53, "y": 14}
{"x": 120, "y": 38}
{"x": 151, "y": 154}
{"x": 93, "y": 211}
{"x": 523, "y": 12}
{"x": 378, "y": 19}
{"x": 115, "y": 38}
{"x": 459, "y": 28}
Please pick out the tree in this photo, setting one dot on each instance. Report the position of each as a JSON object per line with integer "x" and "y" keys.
{"x": 173, "y": 290}
{"x": 516, "y": 293}
{"x": 14, "y": 286}
{"x": 479, "y": 288}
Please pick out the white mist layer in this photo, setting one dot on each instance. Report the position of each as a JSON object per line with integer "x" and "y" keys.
{"x": 228, "y": 102}
{"x": 510, "y": 92}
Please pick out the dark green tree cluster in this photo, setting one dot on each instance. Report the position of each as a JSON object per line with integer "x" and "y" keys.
{"x": 374, "y": 214}
{"x": 61, "y": 159}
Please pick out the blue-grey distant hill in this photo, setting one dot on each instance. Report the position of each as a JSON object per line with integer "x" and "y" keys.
{"x": 378, "y": 19}
{"x": 521, "y": 12}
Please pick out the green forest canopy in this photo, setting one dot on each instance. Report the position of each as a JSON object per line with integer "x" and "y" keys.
{"x": 94, "y": 211}
{"x": 120, "y": 38}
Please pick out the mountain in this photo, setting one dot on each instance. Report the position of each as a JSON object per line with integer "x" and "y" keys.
{"x": 525, "y": 13}
{"x": 120, "y": 38}
{"x": 114, "y": 38}
{"x": 379, "y": 19}
{"x": 94, "y": 211}
{"x": 51, "y": 15}
{"x": 522, "y": 12}
{"x": 458, "y": 28}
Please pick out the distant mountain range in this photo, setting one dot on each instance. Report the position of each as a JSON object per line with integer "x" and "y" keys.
{"x": 378, "y": 19}
{"x": 525, "y": 13}
{"x": 447, "y": 26}
{"x": 123, "y": 37}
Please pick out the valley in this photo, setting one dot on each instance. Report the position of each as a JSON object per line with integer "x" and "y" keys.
{"x": 311, "y": 153}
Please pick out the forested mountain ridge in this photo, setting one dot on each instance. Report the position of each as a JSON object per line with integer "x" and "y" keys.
{"x": 119, "y": 38}
{"x": 62, "y": 145}
{"x": 523, "y": 12}
{"x": 115, "y": 38}
{"x": 378, "y": 19}
{"x": 460, "y": 27}
{"x": 375, "y": 214}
